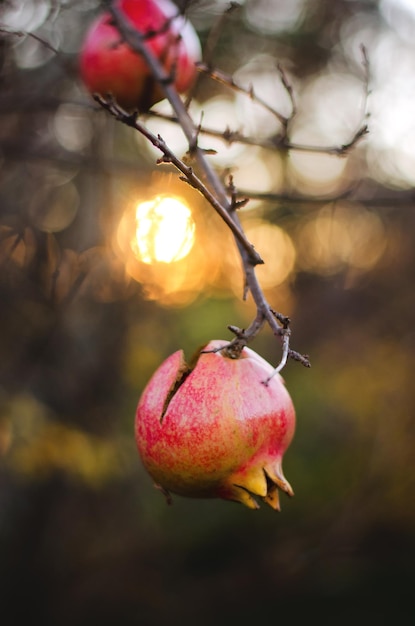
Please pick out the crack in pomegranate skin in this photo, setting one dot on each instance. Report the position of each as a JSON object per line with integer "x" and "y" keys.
{"x": 182, "y": 374}
{"x": 212, "y": 429}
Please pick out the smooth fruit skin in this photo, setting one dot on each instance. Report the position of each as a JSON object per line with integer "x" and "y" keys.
{"x": 109, "y": 66}
{"x": 216, "y": 430}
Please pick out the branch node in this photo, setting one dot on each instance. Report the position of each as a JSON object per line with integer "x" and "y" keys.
{"x": 239, "y": 332}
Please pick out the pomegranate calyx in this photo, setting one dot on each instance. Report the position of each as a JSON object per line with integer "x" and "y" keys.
{"x": 264, "y": 482}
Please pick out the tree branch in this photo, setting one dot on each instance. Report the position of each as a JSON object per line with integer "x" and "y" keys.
{"x": 210, "y": 185}
{"x": 189, "y": 175}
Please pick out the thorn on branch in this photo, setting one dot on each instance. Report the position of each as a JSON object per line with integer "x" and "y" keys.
{"x": 163, "y": 159}
{"x": 246, "y": 290}
{"x": 230, "y": 136}
{"x": 361, "y": 132}
{"x": 239, "y": 332}
{"x": 209, "y": 151}
{"x": 235, "y": 203}
{"x": 283, "y": 319}
{"x": 240, "y": 203}
{"x": 188, "y": 182}
{"x": 301, "y": 358}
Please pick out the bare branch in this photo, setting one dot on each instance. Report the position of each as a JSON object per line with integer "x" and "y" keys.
{"x": 278, "y": 142}
{"x": 289, "y": 89}
{"x": 211, "y": 187}
{"x": 21, "y": 33}
{"x": 226, "y": 79}
{"x": 187, "y": 171}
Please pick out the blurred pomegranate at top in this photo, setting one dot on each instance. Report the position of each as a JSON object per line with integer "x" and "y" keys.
{"x": 108, "y": 65}
{"x": 217, "y": 428}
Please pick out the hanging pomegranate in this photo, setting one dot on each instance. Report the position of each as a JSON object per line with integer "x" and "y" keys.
{"x": 216, "y": 428}
{"x": 109, "y": 66}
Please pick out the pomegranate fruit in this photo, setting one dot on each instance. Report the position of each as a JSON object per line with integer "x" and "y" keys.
{"x": 214, "y": 428}
{"x": 108, "y": 65}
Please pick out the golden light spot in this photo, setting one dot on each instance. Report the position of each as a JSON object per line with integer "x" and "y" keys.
{"x": 339, "y": 237}
{"x": 277, "y": 249}
{"x": 156, "y": 240}
{"x": 164, "y": 230}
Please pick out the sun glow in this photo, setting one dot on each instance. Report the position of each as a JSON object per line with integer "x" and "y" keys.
{"x": 164, "y": 230}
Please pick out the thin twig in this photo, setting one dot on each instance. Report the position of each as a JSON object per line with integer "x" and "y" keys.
{"x": 210, "y": 46}
{"x": 226, "y": 79}
{"x": 284, "y": 358}
{"x": 289, "y": 89}
{"x": 21, "y": 33}
{"x": 278, "y": 142}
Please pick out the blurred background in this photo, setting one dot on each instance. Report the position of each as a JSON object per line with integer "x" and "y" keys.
{"x": 92, "y": 299}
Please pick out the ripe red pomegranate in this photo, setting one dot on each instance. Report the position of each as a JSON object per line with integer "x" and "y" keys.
{"x": 109, "y": 66}
{"x": 214, "y": 429}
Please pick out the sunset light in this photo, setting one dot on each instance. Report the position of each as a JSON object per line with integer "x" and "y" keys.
{"x": 164, "y": 231}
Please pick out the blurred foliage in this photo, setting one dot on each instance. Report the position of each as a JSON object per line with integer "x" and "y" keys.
{"x": 84, "y": 537}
